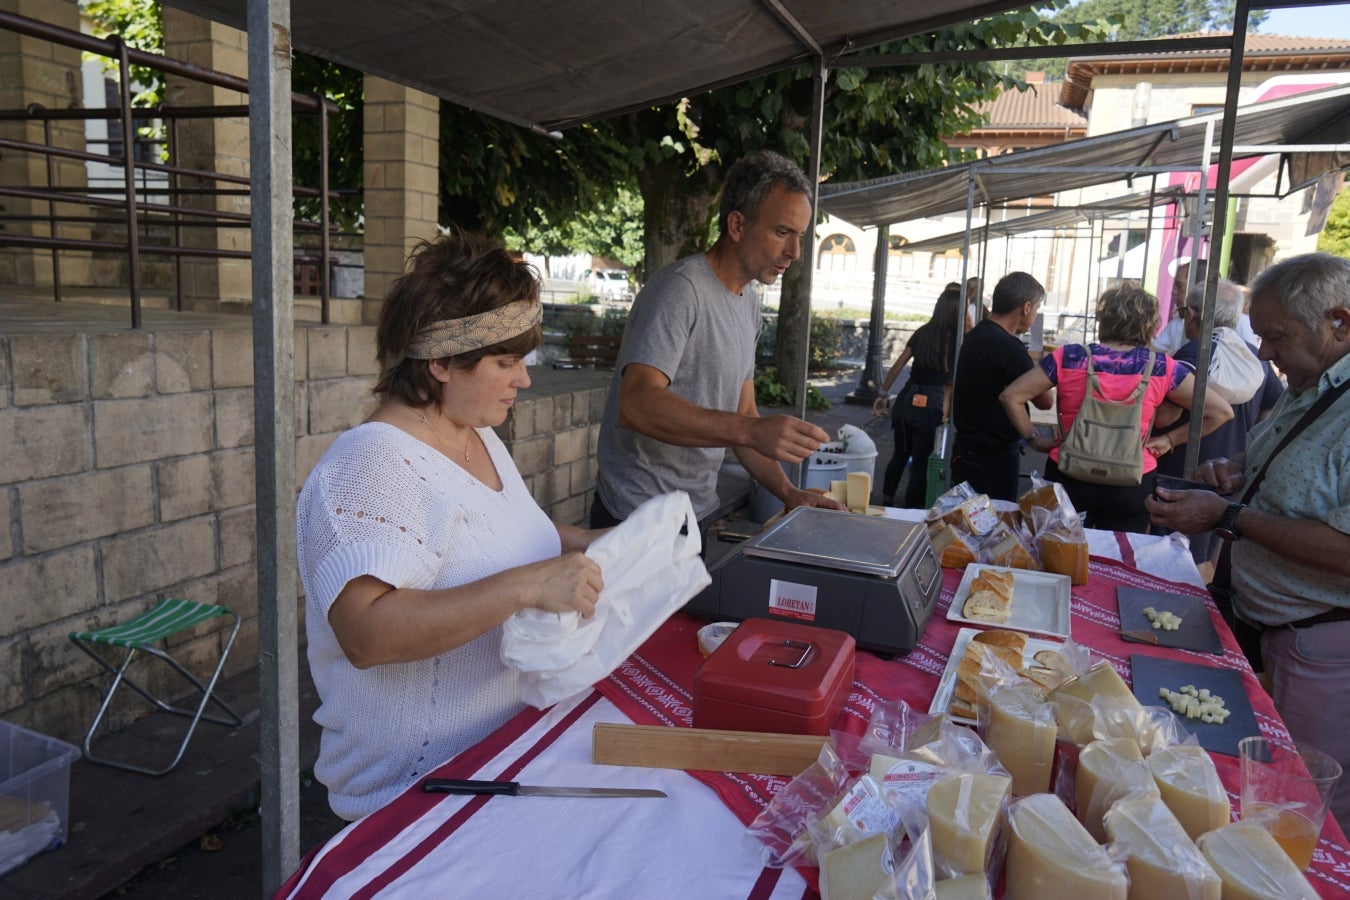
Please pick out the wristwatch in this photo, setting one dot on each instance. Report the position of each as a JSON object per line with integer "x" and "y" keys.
{"x": 1227, "y": 527}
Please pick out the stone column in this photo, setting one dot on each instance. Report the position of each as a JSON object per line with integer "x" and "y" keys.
{"x": 34, "y": 70}
{"x": 214, "y": 145}
{"x": 401, "y": 172}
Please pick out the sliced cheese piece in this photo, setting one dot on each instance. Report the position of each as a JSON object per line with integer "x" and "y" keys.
{"x": 1021, "y": 732}
{"x": 1108, "y": 770}
{"x": 859, "y": 490}
{"x": 967, "y": 887}
{"x": 1162, "y": 860}
{"x": 857, "y": 871}
{"x": 963, "y": 816}
{"x": 1051, "y": 855}
{"x": 839, "y": 491}
{"x": 1252, "y": 866}
{"x": 1190, "y": 787}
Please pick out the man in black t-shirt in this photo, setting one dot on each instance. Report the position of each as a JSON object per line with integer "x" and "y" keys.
{"x": 988, "y": 452}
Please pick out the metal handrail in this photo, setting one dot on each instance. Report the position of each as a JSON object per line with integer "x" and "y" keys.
{"x": 142, "y": 213}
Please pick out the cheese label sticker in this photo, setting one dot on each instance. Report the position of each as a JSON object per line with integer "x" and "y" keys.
{"x": 866, "y": 810}
{"x": 792, "y": 600}
{"x": 907, "y": 782}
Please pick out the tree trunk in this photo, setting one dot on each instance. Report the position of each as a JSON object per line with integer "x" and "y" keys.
{"x": 675, "y": 212}
{"x": 792, "y": 319}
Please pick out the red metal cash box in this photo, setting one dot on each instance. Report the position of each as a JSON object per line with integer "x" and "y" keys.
{"x": 775, "y": 676}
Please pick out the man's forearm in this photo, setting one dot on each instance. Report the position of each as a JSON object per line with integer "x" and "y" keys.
{"x": 765, "y": 471}
{"x": 1307, "y": 541}
{"x": 666, "y": 416}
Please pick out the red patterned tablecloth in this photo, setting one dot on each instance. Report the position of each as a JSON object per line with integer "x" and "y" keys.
{"x": 654, "y": 687}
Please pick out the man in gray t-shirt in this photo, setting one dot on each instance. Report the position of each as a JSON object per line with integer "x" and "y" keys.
{"x": 683, "y": 388}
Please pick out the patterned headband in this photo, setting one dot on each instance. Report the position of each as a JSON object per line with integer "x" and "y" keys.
{"x": 451, "y": 337}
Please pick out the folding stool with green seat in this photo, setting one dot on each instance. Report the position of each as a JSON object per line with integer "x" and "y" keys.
{"x": 141, "y": 633}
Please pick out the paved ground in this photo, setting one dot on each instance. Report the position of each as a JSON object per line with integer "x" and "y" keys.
{"x": 194, "y": 834}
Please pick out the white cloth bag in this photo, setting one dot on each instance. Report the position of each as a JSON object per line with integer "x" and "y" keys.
{"x": 650, "y": 570}
{"x": 1235, "y": 373}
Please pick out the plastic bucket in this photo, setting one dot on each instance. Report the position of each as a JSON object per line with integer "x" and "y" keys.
{"x": 822, "y": 468}
{"x": 855, "y": 461}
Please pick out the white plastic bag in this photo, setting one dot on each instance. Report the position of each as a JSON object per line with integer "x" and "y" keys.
{"x": 650, "y": 570}
{"x": 1235, "y": 373}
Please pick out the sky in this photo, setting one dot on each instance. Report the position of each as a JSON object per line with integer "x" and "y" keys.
{"x": 1310, "y": 21}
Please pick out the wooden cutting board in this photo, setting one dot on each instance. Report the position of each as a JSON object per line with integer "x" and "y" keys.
{"x": 713, "y": 750}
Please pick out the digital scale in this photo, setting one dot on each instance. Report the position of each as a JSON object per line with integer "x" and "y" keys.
{"x": 872, "y": 577}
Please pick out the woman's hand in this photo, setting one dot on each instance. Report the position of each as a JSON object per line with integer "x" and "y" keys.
{"x": 881, "y": 405}
{"x": 568, "y": 583}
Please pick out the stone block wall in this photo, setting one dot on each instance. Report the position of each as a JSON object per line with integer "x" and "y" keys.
{"x": 126, "y": 476}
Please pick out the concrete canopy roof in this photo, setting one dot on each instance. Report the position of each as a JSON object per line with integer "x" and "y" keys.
{"x": 558, "y": 64}
{"x": 1314, "y": 119}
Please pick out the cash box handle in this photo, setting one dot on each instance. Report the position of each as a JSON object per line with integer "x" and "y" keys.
{"x": 805, "y": 646}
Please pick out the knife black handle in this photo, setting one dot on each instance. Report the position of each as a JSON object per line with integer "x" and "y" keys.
{"x": 469, "y": 786}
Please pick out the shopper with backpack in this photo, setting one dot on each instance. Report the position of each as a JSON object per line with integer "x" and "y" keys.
{"x": 1107, "y": 393}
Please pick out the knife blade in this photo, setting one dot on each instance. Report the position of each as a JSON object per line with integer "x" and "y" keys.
{"x": 516, "y": 789}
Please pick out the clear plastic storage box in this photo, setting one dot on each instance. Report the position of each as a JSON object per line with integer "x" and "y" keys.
{"x": 34, "y": 793}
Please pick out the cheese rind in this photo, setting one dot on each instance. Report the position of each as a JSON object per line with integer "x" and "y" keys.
{"x": 1252, "y": 866}
{"x": 1051, "y": 855}
{"x": 1190, "y": 786}
{"x": 1021, "y": 732}
{"x": 964, "y": 812}
{"x": 1162, "y": 861}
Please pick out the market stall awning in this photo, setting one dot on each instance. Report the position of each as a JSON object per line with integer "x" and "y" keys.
{"x": 562, "y": 63}
{"x": 1305, "y": 128}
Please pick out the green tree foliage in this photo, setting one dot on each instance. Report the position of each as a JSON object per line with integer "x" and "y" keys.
{"x": 140, "y": 23}
{"x": 1335, "y": 237}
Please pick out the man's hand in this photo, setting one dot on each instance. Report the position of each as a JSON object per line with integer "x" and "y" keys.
{"x": 1189, "y": 512}
{"x": 1226, "y": 475}
{"x": 784, "y": 438}
{"x": 800, "y": 497}
{"x": 881, "y": 405}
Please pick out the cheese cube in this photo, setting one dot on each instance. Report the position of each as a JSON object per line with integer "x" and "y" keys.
{"x": 1051, "y": 855}
{"x": 1190, "y": 786}
{"x": 857, "y": 871}
{"x": 1252, "y": 866}
{"x": 1162, "y": 860}
{"x": 963, "y": 816}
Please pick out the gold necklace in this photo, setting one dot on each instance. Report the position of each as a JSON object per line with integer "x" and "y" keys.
{"x": 441, "y": 440}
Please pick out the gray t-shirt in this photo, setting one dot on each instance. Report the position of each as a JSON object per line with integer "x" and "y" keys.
{"x": 685, "y": 323}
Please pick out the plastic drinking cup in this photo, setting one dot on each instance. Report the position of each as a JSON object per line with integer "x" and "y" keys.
{"x": 1287, "y": 787}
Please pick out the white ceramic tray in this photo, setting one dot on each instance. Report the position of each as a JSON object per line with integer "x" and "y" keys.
{"x": 1040, "y": 603}
{"x": 943, "y": 698}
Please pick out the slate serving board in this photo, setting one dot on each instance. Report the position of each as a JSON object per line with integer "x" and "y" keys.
{"x": 1196, "y": 631}
{"x": 1150, "y": 673}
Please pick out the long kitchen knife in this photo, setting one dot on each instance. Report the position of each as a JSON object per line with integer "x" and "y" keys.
{"x": 515, "y": 788}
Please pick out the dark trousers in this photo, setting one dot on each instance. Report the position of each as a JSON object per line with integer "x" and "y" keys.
{"x": 993, "y": 472}
{"x": 1105, "y": 506}
{"x": 915, "y": 429}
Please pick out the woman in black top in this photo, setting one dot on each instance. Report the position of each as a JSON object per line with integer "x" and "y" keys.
{"x": 925, "y": 402}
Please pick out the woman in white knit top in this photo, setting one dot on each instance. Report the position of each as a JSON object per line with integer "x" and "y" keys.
{"x": 417, "y": 537}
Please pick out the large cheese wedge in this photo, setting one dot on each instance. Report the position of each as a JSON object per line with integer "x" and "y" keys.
{"x": 1190, "y": 786}
{"x": 1074, "y": 698}
{"x": 967, "y": 887}
{"x": 1252, "y": 866}
{"x": 963, "y": 816}
{"x": 1108, "y": 770}
{"x": 1051, "y": 855}
{"x": 857, "y": 871}
{"x": 1162, "y": 861}
{"x": 1021, "y": 732}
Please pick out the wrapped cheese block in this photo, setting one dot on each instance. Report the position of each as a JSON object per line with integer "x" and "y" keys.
{"x": 857, "y": 871}
{"x": 1190, "y": 786}
{"x": 952, "y": 548}
{"x": 1021, "y": 732}
{"x": 1108, "y": 770}
{"x": 967, "y": 887}
{"x": 1252, "y": 866}
{"x": 1074, "y": 700}
{"x": 964, "y": 812}
{"x": 1063, "y": 555}
{"x": 1162, "y": 860}
{"x": 1051, "y": 855}
{"x": 859, "y": 813}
